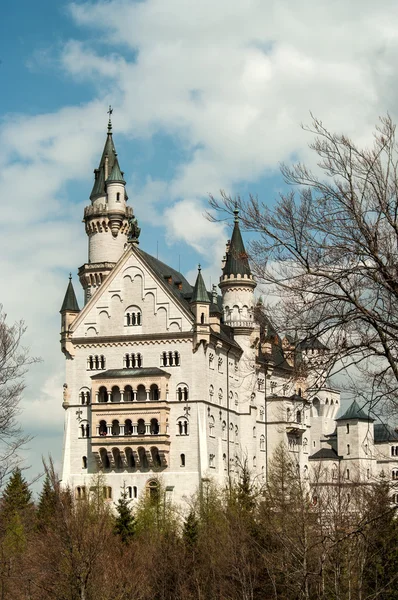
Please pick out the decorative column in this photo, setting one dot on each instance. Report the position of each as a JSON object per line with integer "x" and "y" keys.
{"x": 147, "y": 395}
{"x": 134, "y": 395}
{"x": 147, "y": 428}
{"x": 97, "y": 428}
{"x": 109, "y": 429}
{"x": 97, "y": 397}
{"x": 121, "y": 429}
{"x": 134, "y": 426}
{"x": 121, "y": 395}
{"x": 109, "y": 396}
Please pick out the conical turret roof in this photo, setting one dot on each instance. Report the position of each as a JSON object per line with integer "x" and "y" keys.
{"x": 199, "y": 291}
{"x": 70, "y": 303}
{"x": 355, "y": 413}
{"x": 237, "y": 262}
{"x": 116, "y": 175}
{"x": 109, "y": 153}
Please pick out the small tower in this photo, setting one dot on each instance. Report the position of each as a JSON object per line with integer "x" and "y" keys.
{"x": 200, "y": 306}
{"x": 355, "y": 442}
{"x": 237, "y": 284}
{"x": 69, "y": 311}
{"x": 106, "y": 219}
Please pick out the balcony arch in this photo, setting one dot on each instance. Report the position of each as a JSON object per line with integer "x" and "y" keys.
{"x": 157, "y": 462}
{"x": 141, "y": 427}
{"x": 116, "y": 396}
{"x": 115, "y": 427}
{"x": 102, "y": 394}
{"x": 130, "y": 458}
{"x": 154, "y": 392}
{"x": 103, "y": 428}
{"x": 128, "y": 427}
{"x": 143, "y": 458}
{"x": 154, "y": 427}
{"x": 117, "y": 458}
{"x": 141, "y": 393}
{"x": 104, "y": 458}
{"x": 128, "y": 393}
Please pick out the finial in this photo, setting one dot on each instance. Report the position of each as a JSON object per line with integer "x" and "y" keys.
{"x": 199, "y": 268}
{"x": 236, "y": 213}
{"x": 110, "y": 111}
{"x": 70, "y": 276}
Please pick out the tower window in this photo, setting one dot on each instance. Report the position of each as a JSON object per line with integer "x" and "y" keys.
{"x": 182, "y": 459}
{"x": 347, "y": 428}
{"x": 84, "y": 462}
{"x": 118, "y": 197}
{"x": 348, "y": 448}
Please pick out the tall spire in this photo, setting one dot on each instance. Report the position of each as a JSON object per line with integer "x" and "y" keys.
{"x": 199, "y": 291}
{"x": 107, "y": 162}
{"x": 237, "y": 262}
{"x": 70, "y": 303}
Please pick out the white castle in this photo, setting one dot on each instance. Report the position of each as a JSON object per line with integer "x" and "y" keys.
{"x": 169, "y": 382}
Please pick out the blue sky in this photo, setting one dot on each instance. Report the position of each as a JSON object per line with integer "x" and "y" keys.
{"x": 206, "y": 96}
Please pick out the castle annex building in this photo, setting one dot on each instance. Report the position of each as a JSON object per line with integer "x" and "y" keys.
{"x": 168, "y": 380}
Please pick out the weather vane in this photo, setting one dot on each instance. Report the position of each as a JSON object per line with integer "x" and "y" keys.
{"x": 110, "y": 111}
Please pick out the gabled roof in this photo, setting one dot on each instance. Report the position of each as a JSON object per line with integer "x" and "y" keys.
{"x": 70, "y": 303}
{"x": 384, "y": 433}
{"x": 200, "y": 293}
{"x": 311, "y": 342}
{"x": 325, "y": 454}
{"x": 355, "y": 413}
{"x": 237, "y": 262}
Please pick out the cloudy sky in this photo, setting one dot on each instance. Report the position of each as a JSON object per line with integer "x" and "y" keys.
{"x": 206, "y": 95}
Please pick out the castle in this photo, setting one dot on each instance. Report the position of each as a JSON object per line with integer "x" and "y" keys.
{"x": 172, "y": 382}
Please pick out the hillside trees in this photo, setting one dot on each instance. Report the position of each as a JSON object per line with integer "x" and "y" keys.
{"x": 329, "y": 249}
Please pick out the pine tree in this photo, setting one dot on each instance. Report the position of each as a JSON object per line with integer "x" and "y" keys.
{"x": 191, "y": 528}
{"x": 17, "y": 497}
{"x": 125, "y": 522}
{"x": 46, "y": 508}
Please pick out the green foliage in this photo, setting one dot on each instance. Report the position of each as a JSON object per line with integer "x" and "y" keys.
{"x": 191, "y": 528}
{"x": 46, "y": 508}
{"x": 124, "y": 522}
{"x": 17, "y": 497}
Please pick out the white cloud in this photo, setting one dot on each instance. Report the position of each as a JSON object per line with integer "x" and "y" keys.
{"x": 230, "y": 81}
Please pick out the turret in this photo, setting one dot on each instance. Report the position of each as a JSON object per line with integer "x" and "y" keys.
{"x": 237, "y": 283}
{"x": 200, "y": 306}
{"x": 69, "y": 311}
{"x": 106, "y": 219}
{"x": 355, "y": 437}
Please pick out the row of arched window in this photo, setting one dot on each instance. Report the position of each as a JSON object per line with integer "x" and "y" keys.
{"x": 141, "y": 458}
{"x": 132, "y": 361}
{"x": 133, "y": 318}
{"x": 96, "y": 363}
{"x": 141, "y": 394}
{"x": 128, "y": 428}
{"x": 296, "y": 417}
{"x": 81, "y": 492}
{"x": 128, "y": 394}
{"x": 170, "y": 359}
{"x": 223, "y": 428}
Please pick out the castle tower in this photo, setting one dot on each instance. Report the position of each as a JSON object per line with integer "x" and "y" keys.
{"x": 237, "y": 284}
{"x": 106, "y": 219}
{"x": 69, "y": 311}
{"x": 355, "y": 441}
{"x": 200, "y": 306}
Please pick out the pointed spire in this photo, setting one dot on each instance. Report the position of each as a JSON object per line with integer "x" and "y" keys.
{"x": 199, "y": 291}
{"x": 70, "y": 303}
{"x": 116, "y": 175}
{"x": 107, "y": 159}
{"x": 237, "y": 262}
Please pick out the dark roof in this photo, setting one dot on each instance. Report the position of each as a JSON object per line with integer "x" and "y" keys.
{"x": 384, "y": 433}
{"x": 332, "y": 435}
{"x": 109, "y": 151}
{"x": 237, "y": 262}
{"x": 116, "y": 175}
{"x": 144, "y": 372}
{"x": 70, "y": 303}
{"x": 311, "y": 342}
{"x": 325, "y": 454}
{"x": 355, "y": 413}
{"x": 200, "y": 293}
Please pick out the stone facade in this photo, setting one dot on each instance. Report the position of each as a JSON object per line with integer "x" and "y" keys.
{"x": 165, "y": 380}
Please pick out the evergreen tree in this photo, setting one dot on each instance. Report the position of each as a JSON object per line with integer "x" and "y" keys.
{"x": 46, "y": 508}
{"x": 17, "y": 497}
{"x": 125, "y": 522}
{"x": 191, "y": 528}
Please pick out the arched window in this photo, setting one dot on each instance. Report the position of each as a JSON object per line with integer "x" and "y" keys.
{"x": 348, "y": 428}
{"x": 288, "y": 414}
{"x": 133, "y": 316}
{"x": 107, "y": 492}
{"x": 211, "y": 426}
{"x": 116, "y": 397}
{"x": 220, "y": 396}
{"x": 80, "y": 492}
{"x": 102, "y": 362}
{"x": 141, "y": 427}
{"x": 305, "y": 445}
{"x": 347, "y": 474}
{"x": 117, "y": 196}
{"x": 176, "y": 359}
{"x": 334, "y": 472}
{"x": 348, "y": 448}
{"x": 135, "y": 491}
{"x": 141, "y": 393}
{"x": 103, "y": 428}
{"x": 153, "y": 490}
{"x": 182, "y": 460}
{"x": 128, "y": 394}
{"x": 298, "y": 416}
{"x": 394, "y": 474}
{"x": 202, "y": 318}
{"x": 182, "y": 425}
{"x": 254, "y": 432}
{"x": 115, "y": 427}
{"x": 84, "y": 462}
{"x": 211, "y": 460}
{"x": 254, "y": 462}
{"x": 211, "y": 393}
{"x": 129, "y": 491}
{"x": 104, "y": 458}
{"x": 154, "y": 428}
{"x": 262, "y": 442}
{"x": 128, "y": 427}
{"x": 156, "y": 460}
{"x": 154, "y": 392}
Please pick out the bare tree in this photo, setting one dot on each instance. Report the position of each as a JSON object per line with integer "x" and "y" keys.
{"x": 330, "y": 251}
{"x": 14, "y": 361}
